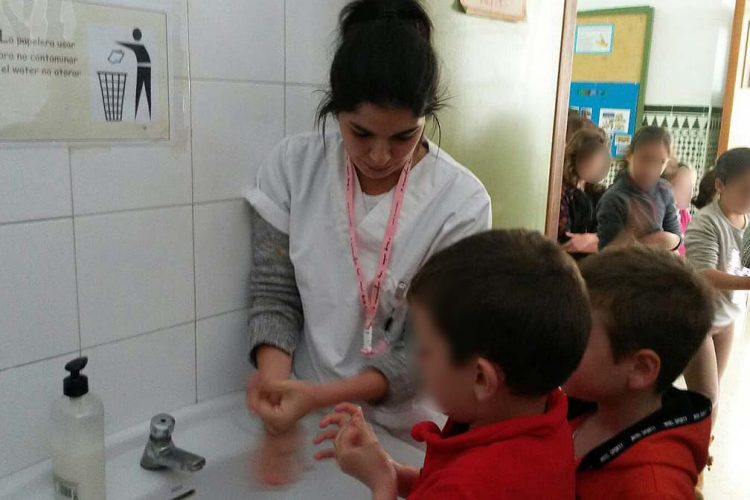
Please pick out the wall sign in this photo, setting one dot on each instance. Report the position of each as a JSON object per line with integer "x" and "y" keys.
{"x": 509, "y": 10}
{"x": 80, "y": 71}
{"x": 594, "y": 38}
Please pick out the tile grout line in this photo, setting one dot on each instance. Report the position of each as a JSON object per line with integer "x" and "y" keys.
{"x": 192, "y": 211}
{"x": 75, "y": 251}
{"x": 120, "y": 211}
{"x": 284, "y": 104}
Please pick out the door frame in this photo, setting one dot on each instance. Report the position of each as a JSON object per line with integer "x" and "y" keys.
{"x": 735, "y": 49}
{"x": 564, "y": 78}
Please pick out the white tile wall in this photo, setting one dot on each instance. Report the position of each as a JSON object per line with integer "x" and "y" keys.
{"x": 310, "y": 39}
{"x": 239, "y": 124}
{"x": 34, "y": 184}
{"x": 222, "y": 354}
{"x": 144, "y": 375}
{"x": 135, "y": 272}
{"x": 301, "y": 108}
{"x": 149, "y": 245}
{"x": 237, "y": 39}
{"x": 38, "y": 317}
{"x": 222, "y": 257}
{"x": 27, "y": 394}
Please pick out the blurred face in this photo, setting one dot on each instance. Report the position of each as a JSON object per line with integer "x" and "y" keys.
{"x": 682, "y": 186}
{"x": 450, "y": 385}
{"x": 593, "y": 169}
{"x": 598, "y": 377}
{"x": 735, "y": 195}
{"x": 380, "y": 140}
{"x": 647, "y": 163}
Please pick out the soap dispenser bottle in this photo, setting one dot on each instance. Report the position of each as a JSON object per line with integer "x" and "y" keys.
{"x": 77, "y": 439}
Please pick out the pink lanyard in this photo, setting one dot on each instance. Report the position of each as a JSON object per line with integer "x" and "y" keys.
{"x": 370, "y": 301}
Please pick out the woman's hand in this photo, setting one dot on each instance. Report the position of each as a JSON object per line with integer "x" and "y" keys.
{"x": 357, "y": 450}
{"x": 278, "y": 461}
{"x": 281, "y": 403}
{"x": 581, "y": 243}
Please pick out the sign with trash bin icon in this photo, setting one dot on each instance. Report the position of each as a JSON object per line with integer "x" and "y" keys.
{"x": 92, "y": 73}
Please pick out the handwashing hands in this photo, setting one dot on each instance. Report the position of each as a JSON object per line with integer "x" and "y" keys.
{"x": 357, "y": 451}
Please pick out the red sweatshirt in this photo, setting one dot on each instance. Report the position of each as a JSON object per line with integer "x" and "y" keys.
{"x": 658, "y": 458}
{"x": 529, "y": 458}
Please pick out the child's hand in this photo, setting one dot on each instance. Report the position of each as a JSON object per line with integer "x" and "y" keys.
{"x": 581, "y": 243}
{"x": 280, "y": 404}
{"x": 357, "y": 450}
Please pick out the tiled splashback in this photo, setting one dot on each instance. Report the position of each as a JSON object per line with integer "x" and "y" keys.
{"x": 138, "y": 256}
{"x": 694, "y": 130}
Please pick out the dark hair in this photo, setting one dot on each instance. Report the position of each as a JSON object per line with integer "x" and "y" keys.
{"x": 650, "y": 299}
{"x": 576, "y": 122}
{"x": 512, "y": 297}
{"x": 645, "y": 136}
{"x": 584, "y": 143}
{"x": 384, "y": 56}
{"x": 729, "y": 166}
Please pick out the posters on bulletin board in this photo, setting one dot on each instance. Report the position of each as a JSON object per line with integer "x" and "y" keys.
{"x": 594, "y": 38}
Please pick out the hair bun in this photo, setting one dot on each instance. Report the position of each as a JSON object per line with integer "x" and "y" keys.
{"x": 409, "y": 12}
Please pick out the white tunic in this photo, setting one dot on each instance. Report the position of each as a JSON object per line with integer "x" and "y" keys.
{"x": 301, "y": 191}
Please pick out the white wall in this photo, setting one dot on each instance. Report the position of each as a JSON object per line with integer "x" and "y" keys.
{"x": 144, "y": 268}
{"x": 689, "y": 49}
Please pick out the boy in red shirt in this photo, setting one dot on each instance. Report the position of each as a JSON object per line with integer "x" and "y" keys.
{"x": 641, "y": 438}
{"x": 501, "y": 320}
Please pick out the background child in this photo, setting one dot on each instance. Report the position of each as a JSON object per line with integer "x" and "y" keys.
{"x": 639, "y": 206}
{"x": 682, "y": 178}
{"x": 493, "y": 363}
{"x": 642, "y": 438}
{"x": 586, "y": 164}
{"x": 713, "y": 242}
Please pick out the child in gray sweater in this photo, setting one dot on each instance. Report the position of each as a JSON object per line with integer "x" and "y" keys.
{"x": 714, "y": 244}
{"x": 640, "y": 206}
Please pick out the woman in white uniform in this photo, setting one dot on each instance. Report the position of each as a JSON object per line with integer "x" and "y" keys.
{"x": 342, "y": 220}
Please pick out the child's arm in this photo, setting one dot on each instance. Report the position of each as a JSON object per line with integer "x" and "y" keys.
{"x": 611, "y": 218}
{"x": 726, "y": 281}
{"x": 702, "y": 250}
{"x": 662, "y": 239}
{"x": 358, "y": 452}
{"x": 406, "y": 476}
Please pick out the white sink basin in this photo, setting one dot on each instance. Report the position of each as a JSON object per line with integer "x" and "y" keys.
{"x": 222, "y": 431}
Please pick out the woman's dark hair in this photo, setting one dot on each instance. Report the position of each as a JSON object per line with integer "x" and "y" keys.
{"x": 583, "y": 144}
{"x": 729, "y": 166}
{"x": 385, "y": 57}
{"x": 645, "y": 136}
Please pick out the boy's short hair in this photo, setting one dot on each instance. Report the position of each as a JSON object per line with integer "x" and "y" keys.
{"x": 513, "y": 298}
{"x": 650, "y": 299}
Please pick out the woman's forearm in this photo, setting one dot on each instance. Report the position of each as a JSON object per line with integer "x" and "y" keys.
{"x": 369, "y": 385}
{"x": 273, "y": 363}
{"x": 725, "y": 281}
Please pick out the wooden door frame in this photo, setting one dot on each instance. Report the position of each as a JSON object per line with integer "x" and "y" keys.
{"x": 735, "y": 50}
{"x": 564, "y": 78}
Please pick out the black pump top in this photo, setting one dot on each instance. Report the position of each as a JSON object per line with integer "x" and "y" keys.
{"x": 76, "y": 385}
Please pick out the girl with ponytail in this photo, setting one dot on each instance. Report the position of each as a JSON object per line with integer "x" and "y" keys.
{"x": 342, "y": 219}
{"x": 713, "y": 242}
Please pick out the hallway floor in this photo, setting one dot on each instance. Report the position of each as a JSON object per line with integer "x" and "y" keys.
{"x": 729, "y": 477}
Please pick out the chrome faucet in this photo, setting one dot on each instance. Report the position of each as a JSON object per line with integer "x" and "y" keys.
{"x": 161, "y": 452}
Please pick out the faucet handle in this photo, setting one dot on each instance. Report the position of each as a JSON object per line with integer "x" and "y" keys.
{"x": 162, "y": 426}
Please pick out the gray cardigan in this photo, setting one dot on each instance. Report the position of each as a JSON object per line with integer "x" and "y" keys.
{"x": 276, "y": 313}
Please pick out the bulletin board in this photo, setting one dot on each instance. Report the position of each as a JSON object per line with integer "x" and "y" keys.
{"x": 611, "y": 55}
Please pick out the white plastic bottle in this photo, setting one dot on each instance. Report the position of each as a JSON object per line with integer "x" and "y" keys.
{"x": 77, "y": 439}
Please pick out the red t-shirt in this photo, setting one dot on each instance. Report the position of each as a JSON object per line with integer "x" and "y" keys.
{"x": 658, "y": 458}
{"x": 529, "y": 458}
